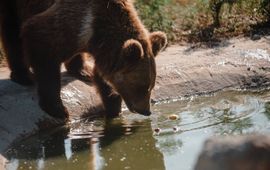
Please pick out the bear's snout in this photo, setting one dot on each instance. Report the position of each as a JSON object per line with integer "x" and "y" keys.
{"x": 145, "y": 111}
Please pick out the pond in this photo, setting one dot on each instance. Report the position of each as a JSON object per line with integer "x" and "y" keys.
{"x": 136, "y": 142}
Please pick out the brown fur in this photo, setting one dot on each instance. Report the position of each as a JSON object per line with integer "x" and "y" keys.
{"x": 48, "y": 33}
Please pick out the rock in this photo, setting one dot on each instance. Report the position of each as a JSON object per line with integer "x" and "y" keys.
{"x": 235, "y": 153}
{"x": 255, "y": 37}
{"x": 21, "y": 116}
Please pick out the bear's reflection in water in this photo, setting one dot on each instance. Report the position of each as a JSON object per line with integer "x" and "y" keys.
{"x": 89, "y": 145}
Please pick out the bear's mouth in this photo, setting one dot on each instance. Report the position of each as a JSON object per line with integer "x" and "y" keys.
{"x": 145, "y": 113}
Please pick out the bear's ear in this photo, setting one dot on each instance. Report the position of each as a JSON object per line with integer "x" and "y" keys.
{"x": 132, "y": 51}
{"x": 158, "y": 40}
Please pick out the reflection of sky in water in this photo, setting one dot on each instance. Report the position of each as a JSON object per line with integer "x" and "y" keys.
{"x": 130, "y": 142}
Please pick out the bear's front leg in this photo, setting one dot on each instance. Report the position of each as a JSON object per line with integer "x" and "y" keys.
{"x": 47, "y": 75}
{"x": 111, "y": 101}
{"x": 43, "y": 49}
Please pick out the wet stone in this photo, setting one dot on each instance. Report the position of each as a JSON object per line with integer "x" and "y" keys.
{"x": 235, "y": 153}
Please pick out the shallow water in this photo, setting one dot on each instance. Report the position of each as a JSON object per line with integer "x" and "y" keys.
{"x": 136, "y": 142}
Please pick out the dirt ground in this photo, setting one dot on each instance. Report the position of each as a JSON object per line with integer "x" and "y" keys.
{"x": 200, "y": 69}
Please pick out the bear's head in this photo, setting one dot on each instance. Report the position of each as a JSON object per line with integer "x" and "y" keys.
{"x": 136, "y": 77}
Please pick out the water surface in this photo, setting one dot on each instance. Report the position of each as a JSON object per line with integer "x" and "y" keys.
{"x": 147, "y": 143}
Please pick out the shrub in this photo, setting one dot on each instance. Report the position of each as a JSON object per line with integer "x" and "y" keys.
{"x": 155, "y": 15}
{"x": 265, "y": 8}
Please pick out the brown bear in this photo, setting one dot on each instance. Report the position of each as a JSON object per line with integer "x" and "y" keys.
{"x": 42, "y": 35}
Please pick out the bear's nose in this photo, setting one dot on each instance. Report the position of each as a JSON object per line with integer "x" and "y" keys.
{"x": 145, "y": 113}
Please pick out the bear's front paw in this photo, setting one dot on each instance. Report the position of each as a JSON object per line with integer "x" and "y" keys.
{"x": 58, "y": 111}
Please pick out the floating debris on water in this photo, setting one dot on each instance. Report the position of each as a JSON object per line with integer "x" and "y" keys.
{"x": 157, "y": 130}
{"x": 175, "y": 129}
{"x": 173, "y": 117}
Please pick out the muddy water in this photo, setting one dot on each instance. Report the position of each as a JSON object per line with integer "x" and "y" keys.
{"x": 135, "y": 142}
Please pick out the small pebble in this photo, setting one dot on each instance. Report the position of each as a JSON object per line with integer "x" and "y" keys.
{"x": 157, "y": 130}
{"x": 255, "y": 37}
{"x": 173, "y": 117}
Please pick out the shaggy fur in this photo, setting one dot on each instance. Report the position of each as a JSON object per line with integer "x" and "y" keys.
{"x": 43, "y": 34}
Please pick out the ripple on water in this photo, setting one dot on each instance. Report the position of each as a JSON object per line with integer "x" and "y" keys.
{"x": 137, "y": 142}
